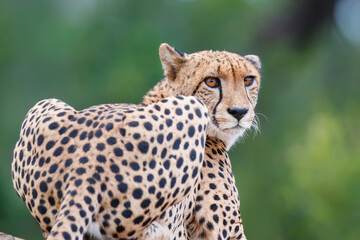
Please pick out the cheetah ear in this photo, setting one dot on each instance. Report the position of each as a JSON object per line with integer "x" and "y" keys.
{"x": 171, "y": 59}
{"x": 255, "y": 60}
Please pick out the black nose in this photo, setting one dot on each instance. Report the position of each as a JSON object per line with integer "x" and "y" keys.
{"x": 238, "y": 113}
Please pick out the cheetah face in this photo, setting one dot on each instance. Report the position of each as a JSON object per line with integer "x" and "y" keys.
{"x": 226, "y": 82}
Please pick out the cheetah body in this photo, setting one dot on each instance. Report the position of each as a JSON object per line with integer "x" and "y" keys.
{"x": 198, "y": 200}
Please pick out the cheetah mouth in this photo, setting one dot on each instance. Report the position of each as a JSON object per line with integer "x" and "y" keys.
{"x": 225, "y": 124}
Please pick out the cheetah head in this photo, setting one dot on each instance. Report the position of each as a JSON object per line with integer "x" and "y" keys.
{"x": 226, "y": 82}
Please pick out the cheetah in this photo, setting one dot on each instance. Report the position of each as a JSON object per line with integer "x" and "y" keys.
{"x": 150, "y": 171}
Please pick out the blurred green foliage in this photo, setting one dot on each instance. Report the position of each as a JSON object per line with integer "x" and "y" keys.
{"x": 298, "y": 179}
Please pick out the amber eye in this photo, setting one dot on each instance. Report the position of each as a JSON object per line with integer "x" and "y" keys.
{"x": 249, "y": 80}
{"x": 212, "y": 82}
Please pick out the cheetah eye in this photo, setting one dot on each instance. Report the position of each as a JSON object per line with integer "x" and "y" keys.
{"x": 212, "y": 82}
{"x": 249, "y": 80}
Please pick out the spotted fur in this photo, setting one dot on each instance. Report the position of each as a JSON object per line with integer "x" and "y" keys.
{"x": 109, "y": 170}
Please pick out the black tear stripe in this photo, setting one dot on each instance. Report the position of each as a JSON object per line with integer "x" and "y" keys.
{"x": 197, "y": 88}
{"x": 214, "y": 111}
{"x": 247, "y": 95}
{"x": 220, "y": 98}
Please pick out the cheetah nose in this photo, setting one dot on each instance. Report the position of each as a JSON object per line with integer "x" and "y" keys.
{"x": 237, "y": 113}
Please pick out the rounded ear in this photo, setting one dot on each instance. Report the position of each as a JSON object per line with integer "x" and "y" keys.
{"x": 171, "y": 59}
{"x": 255, "y": 60}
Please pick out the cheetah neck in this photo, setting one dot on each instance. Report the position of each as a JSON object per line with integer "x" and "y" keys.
{"x": 159, "y": 92}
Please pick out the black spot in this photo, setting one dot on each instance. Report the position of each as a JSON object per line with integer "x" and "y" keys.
{"x": 162, "y": 182}
{"x": 167, "y": 164}
{"x": 192, "y": 155}
{"x": 84, "y": 160}
{"x": 86, "y": 147}
{"x": 184, "y": 178}
{"x": 213, "y": 207}
{"x": 138, "y": 220}
{"x": 101, "y": 158}
{"x": 34, "y": 194}
{"x": 68, "y": 162}
{"x": 111, "y": 140}
{"x": 62, "y": 130}
{"x": 80, "y": 171}
{"x": 198, "y": 113}
{"x": 72, "y": 149}
{"x": 109, "y": 126}
{"x": 195, "y": 171}
{"x": 65, "y": 140}
{"x": 163, "y": 153}
{"x": 119, "y": 178}
{"x": 66, "y": 236}
{"x": 127, "y": 213}
{"x": 180, "y": 126}
{"x": 159, "y": 202}
{"x": 99, "y": 169}
{"x": 83, "y": 135}
{"x": 137, "y": 193}
{"x": 98, "y": 133}
{"x": 143, "y": 147}
{"x": 73, "y": 133}
{"x": 145, "y": 203}
{"x": 42, "y": 210}
{"x": 122, "y": 132}
{"x": 58, "y": 151}
{"x": 114, "y": 203}
{"x": 129, "y": 146}
{"x": 134, "y": 166}
{"x": 43, "y": 186}
{"x": 177, "y": 144}
{"x": 169, "y": 136}
{"x": 134, "y": 124}
{"x": 179, "y": 162}
{"x": 169, "y": 122}
{"x": 90, "y": 190}
{"x": 53, "y": 125}
{"x": 150, "y": 177}
{"x": 81, "y": 120}
{"x": 114, "y": 168}
{"x": 191, "y": 131}
{"x": 74, "y": 228}
{"x": 148, "y": 126}
{"x": 49, "y": 145}
{"x": 118, "y": 152}
{"x": 53, "y": 168}
{"x": 78, "y": 182}
{"x": 210, "y": 226}
{"x": 90, "y": 135}
{"x": 160, "y": 138}
{"x": 40, "y": 140}
{"x": 178, "y": 111}
{"x": 100, "y": 146}
{"x": 122, "y": 187}
{"x": 88, "y": 123}
{"x": 138, "y": 179}
{"x": 152, "y": 164}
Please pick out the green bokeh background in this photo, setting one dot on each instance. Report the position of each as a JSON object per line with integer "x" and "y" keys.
{"x": 298, "y": 179}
